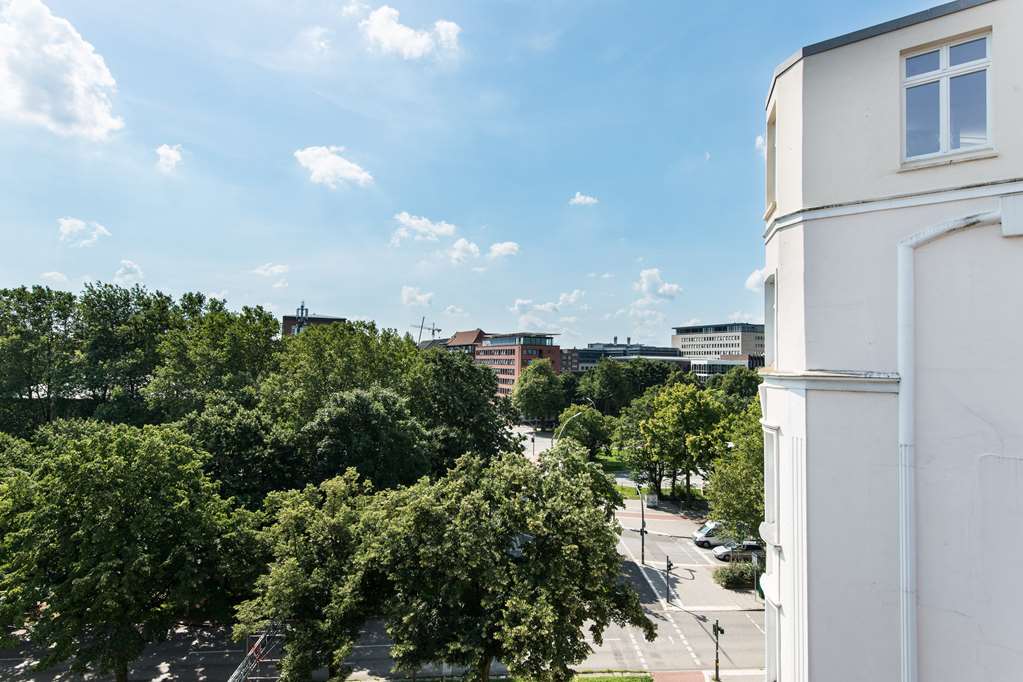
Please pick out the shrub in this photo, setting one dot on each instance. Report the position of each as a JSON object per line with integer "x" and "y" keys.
{"x": 737, "y": 575}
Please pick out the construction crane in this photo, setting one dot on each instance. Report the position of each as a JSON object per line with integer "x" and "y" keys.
{"x": 433, "y": 329}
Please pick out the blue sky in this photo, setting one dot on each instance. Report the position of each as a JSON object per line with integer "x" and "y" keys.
{"x": 588, "y": 168}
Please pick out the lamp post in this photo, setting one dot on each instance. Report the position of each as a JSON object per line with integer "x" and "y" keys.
{"x": 642, "y": 527}
{"x": 561, "y": 429}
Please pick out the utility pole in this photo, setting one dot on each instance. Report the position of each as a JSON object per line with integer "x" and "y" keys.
{"x": 642, "y": 527}
{"x": 667, "y": 577}
{"x": 718, "y": 631}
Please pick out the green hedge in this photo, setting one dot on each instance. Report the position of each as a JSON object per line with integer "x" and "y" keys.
{"x": 737, "y": 575}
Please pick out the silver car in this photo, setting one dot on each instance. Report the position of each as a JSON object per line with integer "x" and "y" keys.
{"x": 710, "y": 534}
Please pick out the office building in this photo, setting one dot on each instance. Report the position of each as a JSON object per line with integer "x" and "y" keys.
{"x": 509, "y": 354}
{"x": 715, "y": 340}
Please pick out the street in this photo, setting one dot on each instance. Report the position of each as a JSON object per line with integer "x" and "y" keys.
{"x": 684, "y": 618}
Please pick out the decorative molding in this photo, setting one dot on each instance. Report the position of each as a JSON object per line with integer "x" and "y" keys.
{"x": 833, "y": 380}
{"x": 990, "y": 189}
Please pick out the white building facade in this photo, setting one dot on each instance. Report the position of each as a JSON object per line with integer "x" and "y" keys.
{"x": 715, "y": 340}
{"x": 892, "y": 406}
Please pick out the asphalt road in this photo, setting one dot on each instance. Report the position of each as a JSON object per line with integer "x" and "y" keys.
{"x": 684, "y": 618}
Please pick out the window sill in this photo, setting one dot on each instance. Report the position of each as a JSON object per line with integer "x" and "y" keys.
{"x": 949, "y": 159}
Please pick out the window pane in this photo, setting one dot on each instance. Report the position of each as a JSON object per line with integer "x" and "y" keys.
{"x": 968, "y": 109}
{"x": 922, "y": 119}
{"x": 922, "y": 63}
{"x": 967, "y": 52}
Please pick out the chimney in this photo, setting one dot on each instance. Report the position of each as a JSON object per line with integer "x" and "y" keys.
{"x": 628, "y": 340}
{"x": 616, "y": 340}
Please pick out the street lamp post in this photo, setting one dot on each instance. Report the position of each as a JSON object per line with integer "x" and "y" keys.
{"x": 561, "y": 429}
{"x": 642, "y": 527}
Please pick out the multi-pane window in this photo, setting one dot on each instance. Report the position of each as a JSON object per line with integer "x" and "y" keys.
{"x": 946, "y": 98}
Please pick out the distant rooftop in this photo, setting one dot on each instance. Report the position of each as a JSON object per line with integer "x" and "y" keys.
{"x": 724, "y": 327}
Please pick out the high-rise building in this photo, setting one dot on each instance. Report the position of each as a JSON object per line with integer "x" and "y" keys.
{"x": 715, "y": 340}
{"x": 893, "y": 428}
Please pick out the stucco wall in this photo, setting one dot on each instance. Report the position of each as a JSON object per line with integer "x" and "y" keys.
{"x": 850, "y": 265}
{"x": 970, "y": 456}
{"x": 852, "y": 535}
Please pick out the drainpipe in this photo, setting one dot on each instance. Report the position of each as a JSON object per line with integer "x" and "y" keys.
{"x": 907, "y": 440}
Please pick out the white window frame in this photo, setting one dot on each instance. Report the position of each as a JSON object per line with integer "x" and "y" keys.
{"x": 943, "y": 76}
{"x": 772, "y": 482}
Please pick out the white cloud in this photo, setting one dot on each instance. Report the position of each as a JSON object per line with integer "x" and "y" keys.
{"x": 128, "y": 274}
{"x": 755, "y": 281}
{"x": 571, "y": 319}
{"x": 546, "y": 307}
{"x": 739, "y": 316}
{"x": 760, "y": 145}
{"x": 653, "y": 287}
{"x": 537, "y": 324}
{"x": 419, "y": 228}
{"x": 168, "y": 157}
{"x": 581, "y": 199}
{"x": 281, "y": 284}
{"x": 413, "y": 296}
{"x": 385, "y": 33}
{"x": 54, "y": 277}
{"x": 706, "y": 156}
{"x": 52, "y": 77}
{"x": 521, "y": 304}
{"x": 601, "y": 275}
{"x": 479, "y": 268}
{"x": 270, "y": 269}
{"x": 455, "y": 311}
{"x": 571, "y": 298}
{"x": 80, "y": 233}
{"x": 327, "y": 167}
{"x": 502, "y": 249}
{"x": 354, "y": 8}
{"x": 463, "y": 250}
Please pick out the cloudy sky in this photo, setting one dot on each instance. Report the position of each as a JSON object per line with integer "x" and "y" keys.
{"x": 589, "y": 168}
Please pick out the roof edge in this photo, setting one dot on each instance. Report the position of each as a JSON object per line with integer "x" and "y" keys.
{"x": 871, "y": 32}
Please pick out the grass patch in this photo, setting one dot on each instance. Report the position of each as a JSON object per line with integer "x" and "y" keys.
{"x": 628, "y": 677}
{"x": 628, "y": 492}
{"x": 610, "y": 462}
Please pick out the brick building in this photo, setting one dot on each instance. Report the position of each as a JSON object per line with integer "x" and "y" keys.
{"x": 507, "y": 354}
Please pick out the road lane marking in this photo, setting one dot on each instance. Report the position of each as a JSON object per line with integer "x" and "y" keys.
{"x": 639, "y": 652}
{"x": 642, "y": 570}
{"x": 685, "y": 641}
{"x": 755, "y": 624}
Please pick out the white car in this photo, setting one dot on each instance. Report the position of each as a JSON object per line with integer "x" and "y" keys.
{"x": 710, "y": 535}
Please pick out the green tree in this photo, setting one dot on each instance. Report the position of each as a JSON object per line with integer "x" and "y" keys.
{"x": 537, "y": 393}
{"x": 677, "y": 432}
{"x": 370, "y": 431}
{"x": 454, "y": 398}
{"x": 328, "y": 359}
{"x": 586, "y": 426}
{"x": 37, "y": 352}
{"x": 248, "y": 456}
{"x": 313, "y": 539}
{"x": 741, "y": 383}
{"x": 211, "y": 350}
{"x": 630, "y": 444}
{"x": 643, "y": 374}
{"x": 118, "y": 331}
{"x": 569, "y": 386}
{"x": 117, "y": 541}
{"x": 607, "y": 385}
{"x": 502, "y": 560}
{"x": 735, "y": 487}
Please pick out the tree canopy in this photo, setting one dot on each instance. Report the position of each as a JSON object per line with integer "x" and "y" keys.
{"x": 538, "y": 393}
{"x": 586, "y": 426}
{"x": 735, "y": 488}
{"x": 116, "y": 541}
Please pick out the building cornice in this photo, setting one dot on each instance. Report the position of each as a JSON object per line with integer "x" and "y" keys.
{"x": 833, "y": 380}
{"x": 978, "y": 191}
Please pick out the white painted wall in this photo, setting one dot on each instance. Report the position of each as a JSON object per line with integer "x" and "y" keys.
{"x": 832, "y": 392}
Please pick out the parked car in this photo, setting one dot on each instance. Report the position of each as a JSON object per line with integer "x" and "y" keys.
{"x": 709, "y": 535}
{"x": 739, "y": 551}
